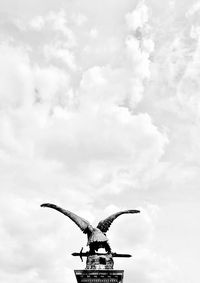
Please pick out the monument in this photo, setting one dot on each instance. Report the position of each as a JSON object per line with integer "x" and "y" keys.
{"x": 99, "y": 266}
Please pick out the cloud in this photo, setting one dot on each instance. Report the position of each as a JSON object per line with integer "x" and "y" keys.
{"x": 14, "y": 67}
{"x": 135, "y": 234}
{"x": 138, "y": 17}
{"x": 60, "y": 52}
{"x": 132, "y": 231}
{"x": 150, "y": 267}
{"x": 193, "y": 9}
{"x": 79, "y": 19}
{"x": 99, "y": 112}
{"x": 187, "y": 92}
{"x": 56, "y": 21}
{"x": 103, "y": 143}
{"x": 139, "y": 46}
{"x": 48, "y": 129}
{"x": 37, "y": 23}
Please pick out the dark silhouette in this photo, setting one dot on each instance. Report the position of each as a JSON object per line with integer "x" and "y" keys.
{"x": 96, "y": 236}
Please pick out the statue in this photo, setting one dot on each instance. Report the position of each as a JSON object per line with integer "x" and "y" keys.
{"x": 96, "y": 236}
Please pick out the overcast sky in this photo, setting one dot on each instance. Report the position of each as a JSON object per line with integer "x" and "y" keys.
{"x": 100, "y": 111}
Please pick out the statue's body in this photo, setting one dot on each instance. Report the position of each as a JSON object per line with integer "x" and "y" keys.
{"x": 96, "y": 236}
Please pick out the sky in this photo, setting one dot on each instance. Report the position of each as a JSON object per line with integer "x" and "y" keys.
{"x": 100, "y": 112}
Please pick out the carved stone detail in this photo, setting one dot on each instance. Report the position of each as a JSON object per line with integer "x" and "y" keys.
{"x": 100, "y": 262}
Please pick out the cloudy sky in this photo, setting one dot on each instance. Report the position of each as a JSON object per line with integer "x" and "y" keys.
{"x": 100, "y": 111}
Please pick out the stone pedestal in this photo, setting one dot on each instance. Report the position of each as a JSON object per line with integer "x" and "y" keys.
{"x": 99, "y": 269}
{"x": 99, "y": 276}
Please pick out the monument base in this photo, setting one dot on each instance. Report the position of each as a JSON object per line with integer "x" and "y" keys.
{"x": 99, "y": 276}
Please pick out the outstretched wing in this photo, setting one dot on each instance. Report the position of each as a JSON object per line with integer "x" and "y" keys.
{"x": 81, "y": 222}
{"x": 105, "y": 224}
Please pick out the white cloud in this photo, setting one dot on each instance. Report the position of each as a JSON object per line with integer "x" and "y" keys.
{"x": 150, "y": 267}
{"x": 193, "y": 10}
{"x": 79, "y": 19}
{"x": 107, "y": 120}
{"x": 103, "y": 143}
{"x": 58, "y": 51}
{"x": 188, "y": 88}
{"x": 98, "y": 140}
{"x": 138, "y": 17}
{"x": 37, "y": 23}
{"x": 15, "y": 68}
{"x": 59, "y": 23}
{"x": 94, "y": 33}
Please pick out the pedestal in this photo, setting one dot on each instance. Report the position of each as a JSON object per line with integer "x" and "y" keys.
{"x": 99, "y": 276}
{"x": 99, "y": 269}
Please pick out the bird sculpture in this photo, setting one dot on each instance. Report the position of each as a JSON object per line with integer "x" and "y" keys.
{"x": 96, "y": 236}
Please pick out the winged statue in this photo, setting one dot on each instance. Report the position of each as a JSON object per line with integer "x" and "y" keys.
{"x": 96, "y": 235}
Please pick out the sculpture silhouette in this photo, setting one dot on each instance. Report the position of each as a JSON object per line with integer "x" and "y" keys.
{"x": 96, "y": 236}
